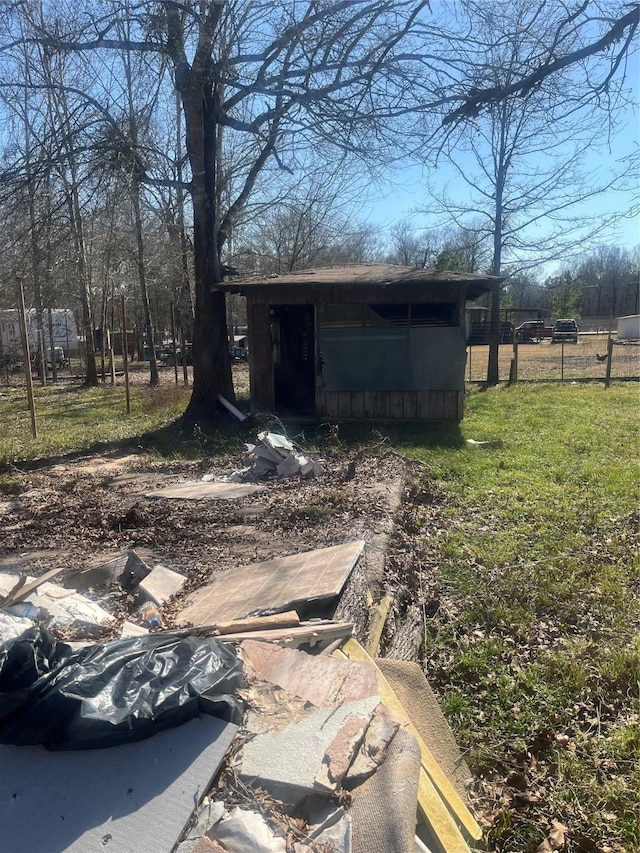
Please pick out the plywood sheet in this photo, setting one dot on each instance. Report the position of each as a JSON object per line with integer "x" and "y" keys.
{"x": 135, "y": 798}
{"x": 206, "y": 491}
{"x": 277, "y": 583}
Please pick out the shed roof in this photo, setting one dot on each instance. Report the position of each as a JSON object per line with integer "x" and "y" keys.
{"x": 365, "y": 275}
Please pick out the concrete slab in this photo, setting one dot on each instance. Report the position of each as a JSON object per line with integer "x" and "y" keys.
{"x": 199, "y": 491}
{"x": 324, "y": 681}
{"x": 135, "y": 798}
{"x": 310, "y": 756}
{"x": 160, "y": 584}
{"x": 274, "y": 584}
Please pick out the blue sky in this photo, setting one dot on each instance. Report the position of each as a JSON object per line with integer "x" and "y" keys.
{"x": 405, "y": 192}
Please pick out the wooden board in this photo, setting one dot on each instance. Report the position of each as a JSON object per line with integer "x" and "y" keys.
{"x": 272, "y": 585}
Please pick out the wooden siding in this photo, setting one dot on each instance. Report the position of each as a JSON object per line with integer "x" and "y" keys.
{"x": 260, "y": 357}
{"x": 391, "y": 405}
{"x": 275, "y": 294}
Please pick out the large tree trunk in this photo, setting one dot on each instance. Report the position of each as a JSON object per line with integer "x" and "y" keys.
{"x": 211, "y": 360}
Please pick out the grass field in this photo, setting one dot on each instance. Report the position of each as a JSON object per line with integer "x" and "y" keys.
{"x": 527, "y": 562}
{"x": 549, "y": 362}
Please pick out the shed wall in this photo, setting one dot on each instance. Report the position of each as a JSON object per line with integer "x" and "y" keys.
{"x": 392, "y": 359}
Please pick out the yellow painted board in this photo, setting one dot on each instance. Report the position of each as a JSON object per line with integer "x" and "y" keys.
{"x": 433, "y": 811}
{"x": 376, "y": 626}
{"x": 354, "y": 651}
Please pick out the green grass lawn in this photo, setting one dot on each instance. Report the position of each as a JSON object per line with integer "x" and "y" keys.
{"x": 70, "y": 418}
{"x": 534, "y": 646}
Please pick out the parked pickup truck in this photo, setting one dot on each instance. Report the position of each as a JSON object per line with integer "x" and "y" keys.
{"x": 565, "y": 330}
{"x": 532, "y": 331}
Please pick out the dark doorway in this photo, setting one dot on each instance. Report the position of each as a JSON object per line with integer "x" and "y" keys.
{"x": 293, "y": 359}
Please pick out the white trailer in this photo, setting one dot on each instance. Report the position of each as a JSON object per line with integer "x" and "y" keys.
{"x": 629, "y": 328}
{"x": 65, "y": 333}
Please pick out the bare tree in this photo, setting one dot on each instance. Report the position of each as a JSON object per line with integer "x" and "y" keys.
{"x": 520, "y": 156}
{"x": 259, "y": 83}
{"x": 272, "y": 76}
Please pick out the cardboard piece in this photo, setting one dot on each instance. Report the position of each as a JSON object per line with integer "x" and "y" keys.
{"x": 206, "y": 491}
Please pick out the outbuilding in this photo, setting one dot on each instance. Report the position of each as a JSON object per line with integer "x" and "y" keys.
{"x": 374, "y": 341}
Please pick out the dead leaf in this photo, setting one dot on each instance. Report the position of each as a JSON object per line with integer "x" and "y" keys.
{"x": 557, "y": 836}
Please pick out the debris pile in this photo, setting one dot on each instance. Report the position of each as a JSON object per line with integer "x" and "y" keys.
{"x": 257, "y": 724}
{"x": 275, "y": 456}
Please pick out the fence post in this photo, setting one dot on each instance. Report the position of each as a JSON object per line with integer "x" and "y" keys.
{"x": 42, "y": 357}
{"x": 173, "y": 337}
{"x": 26, "y": 357}
{"x": 513, "y": 371}
{"x": 607, "y": 379}
{"x": 125, "y": 354}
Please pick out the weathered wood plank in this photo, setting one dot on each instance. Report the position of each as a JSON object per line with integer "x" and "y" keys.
{"x": 369, "y": 403}
{"x": 424, "y": 405}
{"x": 260, "y": 357}
{"x": 344, "y": 404}
{"x": 357, "y": 404}
{"x": 410, "y": 405}
{"x": 396, "y": 405}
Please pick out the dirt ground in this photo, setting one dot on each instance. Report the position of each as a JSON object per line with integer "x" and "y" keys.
{"x": 83, "y": 512}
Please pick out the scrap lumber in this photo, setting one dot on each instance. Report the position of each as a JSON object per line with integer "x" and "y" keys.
{"x": 20, "y": 592}
{"x": 296, "y": 636}
{"x": 434, "y": 779}
{"x": 290, "y": 619}
{"x": 379, "y": 615}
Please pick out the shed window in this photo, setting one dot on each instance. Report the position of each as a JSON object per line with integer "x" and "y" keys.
{"x": 436, "y": 314}
{"x": 383, "y": 315}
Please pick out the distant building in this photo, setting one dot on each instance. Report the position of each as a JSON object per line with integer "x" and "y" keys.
{"x": 65, "y": 333}
{"x": 629, "y": 328}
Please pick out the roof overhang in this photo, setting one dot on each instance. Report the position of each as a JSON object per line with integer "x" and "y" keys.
{"x": 365, "y": 277}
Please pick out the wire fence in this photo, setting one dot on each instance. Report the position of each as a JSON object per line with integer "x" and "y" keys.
{"x": 548, "y": 362}
{"x": 536, "y": 362}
